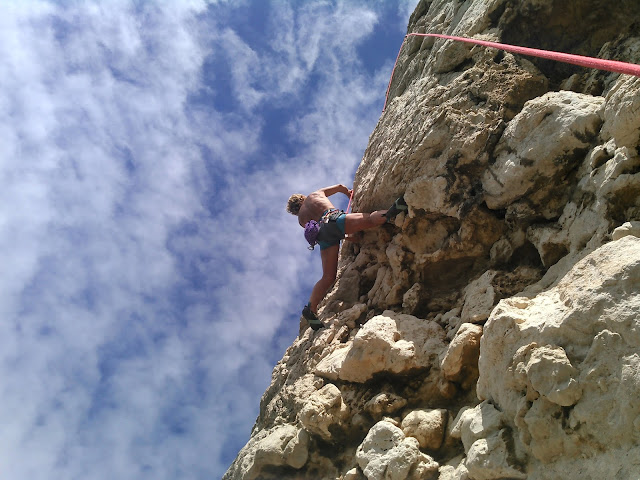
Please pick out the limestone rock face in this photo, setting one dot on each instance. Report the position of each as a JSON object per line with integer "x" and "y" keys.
{"x": 491, "y": 331}
{"x": 571, "y": 351}
{"x": 528, "y": 163}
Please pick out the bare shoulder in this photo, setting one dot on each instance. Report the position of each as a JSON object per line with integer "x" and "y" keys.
{"x": 313, "y": 207}
{"x": 316, "y": 196}
{"x": 318, "y": 202}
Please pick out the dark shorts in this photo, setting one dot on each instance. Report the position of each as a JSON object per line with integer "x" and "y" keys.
{"x": 332, "y": 232}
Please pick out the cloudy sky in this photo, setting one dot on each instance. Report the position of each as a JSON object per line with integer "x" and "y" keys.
{"x": 151, "y": 276}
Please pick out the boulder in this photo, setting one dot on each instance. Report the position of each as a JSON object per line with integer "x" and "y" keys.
{"x": 460, "y": 362}
{"x": 389, "y": 343}
{"x": 492, "y": 457}
{"x": 479, "y": 298}
{"x": 384, "y": 404}
{"x": 427, "y": 426}
{"x": 458, "y": 471}
{"x": 323, "y": 410}
{"x": 627, "y": 228}
{"x": 622, "y": 122}
{"x": 387, "y": 454}
{"x": 472, "y": 424}
{"x": 546, "y": 371}
{"x": 284, "y": 445}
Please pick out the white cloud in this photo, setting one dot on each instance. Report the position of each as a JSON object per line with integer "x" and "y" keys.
{"x": 96, "y": 174}
{"x": 246, "y": 69}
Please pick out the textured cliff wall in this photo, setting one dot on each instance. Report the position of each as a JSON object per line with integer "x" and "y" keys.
{"x": 493, "y": 331}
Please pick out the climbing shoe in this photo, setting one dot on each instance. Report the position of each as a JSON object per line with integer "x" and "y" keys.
{"x": 311, "y": 317}
{"x": 398, "y": 206}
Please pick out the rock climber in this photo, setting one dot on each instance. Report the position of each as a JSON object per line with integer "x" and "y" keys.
{"x": 326, "y": 226}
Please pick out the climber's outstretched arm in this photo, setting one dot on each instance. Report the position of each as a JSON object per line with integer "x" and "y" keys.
{"x": 328, "y": 191}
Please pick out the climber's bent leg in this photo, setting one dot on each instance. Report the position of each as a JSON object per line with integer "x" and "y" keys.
{"x": 356, "y": 222}
{"x": 329, "y": 258}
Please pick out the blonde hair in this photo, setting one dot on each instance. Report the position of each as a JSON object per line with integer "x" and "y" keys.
{"x": 295, "y": 202}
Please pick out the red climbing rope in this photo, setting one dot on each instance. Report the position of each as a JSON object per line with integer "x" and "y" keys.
{"x": 589, "y": 62}
{"x": 350, "y": 198}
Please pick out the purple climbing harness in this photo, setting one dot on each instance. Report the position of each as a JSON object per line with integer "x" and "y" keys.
{"x": 311, "y": 230}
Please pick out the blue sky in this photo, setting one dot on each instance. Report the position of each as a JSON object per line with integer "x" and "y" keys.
{"x": 152, "y": 277}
